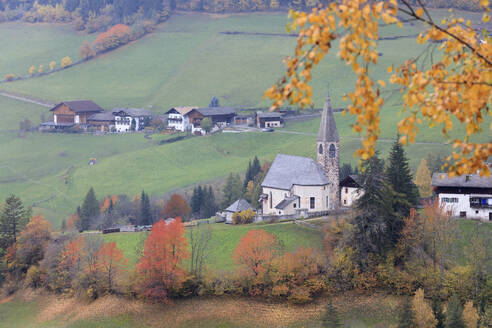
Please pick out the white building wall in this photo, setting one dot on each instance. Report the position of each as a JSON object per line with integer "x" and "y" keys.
{"x": 277, "y": 195}
{"x": 183, "y": 125}
{"x": 320, "y": 194}
{"x": 54, "y": 118}
{"x": 122, "y": 123}
{"x": 349, "y": 195}
{"x": 456, "y": 204}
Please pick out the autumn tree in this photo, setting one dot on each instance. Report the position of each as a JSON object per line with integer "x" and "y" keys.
{"x": 423, "y": 179}
{"x": 66, "y": 62}
{"x": 40, "y": 69}
{"x": 161, "y": 265}
{"x": 52, "y": 65}
{"x": 111, "y": 263}
{"x": 255, "y": 251}
{"x": 176, "y": 206}
{"x": 456, "y": 85}
{"x": 470, "y": 315}
{"x": 86, "y": 51}
{"x": 424, "y": 318}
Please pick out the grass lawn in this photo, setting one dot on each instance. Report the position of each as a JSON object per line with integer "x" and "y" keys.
{"x": 224, "y": 240}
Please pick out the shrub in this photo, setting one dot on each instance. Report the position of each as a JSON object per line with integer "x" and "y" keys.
{"x": 86, "y": 51}
{"x": 66, "y": 62}
{"x": 33, "y": 277}
{"x": 10, "y": 77}
{"x": 244, "y": 217}
{"x": 113, "y": 38}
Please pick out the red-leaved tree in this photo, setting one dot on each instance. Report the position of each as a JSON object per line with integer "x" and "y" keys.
{"x": 255, "y": 252}
{"x": 112, "y": 38}
{"x": 110, "y": 263}
{"x": 176, "y": 207}
{"x": 161, "y": 267}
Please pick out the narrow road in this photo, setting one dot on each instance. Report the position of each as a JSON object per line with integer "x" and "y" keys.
{"x": 27, "y": 100}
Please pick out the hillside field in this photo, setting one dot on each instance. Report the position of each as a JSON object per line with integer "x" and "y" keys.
{"x": 185, "y": 62}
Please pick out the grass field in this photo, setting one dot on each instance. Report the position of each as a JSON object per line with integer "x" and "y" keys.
{"x": 185, "y": 62}
{"x": 225, "y": 239}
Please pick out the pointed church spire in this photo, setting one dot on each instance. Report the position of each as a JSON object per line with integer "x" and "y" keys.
{"x": 327, "y": 129}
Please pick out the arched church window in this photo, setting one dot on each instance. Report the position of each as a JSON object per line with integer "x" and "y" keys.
{"x": 332, "y": 151}
{"x": 271, "y": 203}
{"x": 320, "y": 149}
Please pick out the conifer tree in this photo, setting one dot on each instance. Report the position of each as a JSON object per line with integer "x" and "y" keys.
{"x": 196, "y": 200}
{"x": 256, "y": 167}
{"x": 406, "y": 318}
{"x": 399, "y": 177}
{"x": 89, "y": 210}
{"x": 233, "y": 190}
{"x": 145, "y": 211}
{"x": 214, "y": 102}
{"x": 208, "y": 206}
{"x": 437, "y": 310}
{"x": 248, "y": 176}
{"x": 13, "y": 217}
{"x": 454, "y": 313}
{"x": 330, "y": 318}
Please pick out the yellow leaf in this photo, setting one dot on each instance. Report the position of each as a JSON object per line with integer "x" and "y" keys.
{"x": 390, "y": 69}
{"x": 381, "y": 83}
{"x": 419, "y": 12}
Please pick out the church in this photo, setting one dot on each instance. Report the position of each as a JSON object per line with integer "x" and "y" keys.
{"x": 301, "y": 186}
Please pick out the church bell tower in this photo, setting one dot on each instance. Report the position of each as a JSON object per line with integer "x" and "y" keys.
{"x": 327, "y": 153}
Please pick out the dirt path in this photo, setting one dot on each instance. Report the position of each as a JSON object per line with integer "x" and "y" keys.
{"x": 27, "y": 100}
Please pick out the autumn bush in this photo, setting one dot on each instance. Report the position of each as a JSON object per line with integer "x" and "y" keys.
{"x": 10, "y": 77}
{"x": 244, "y": 217}
{"x": 112, "y": 38}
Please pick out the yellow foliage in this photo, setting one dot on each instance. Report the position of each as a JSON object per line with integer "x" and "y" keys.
{"x": 424, "y": 318}
{"x": 66, "y": 61}
{"x": 438, "y": 94}
{"x": 470, "y": 315}
{"x": 32, "y": 70}
{"x": 423, "y": 179}
{"x": 41, "y": 69}
{"x": 52, "y": 65}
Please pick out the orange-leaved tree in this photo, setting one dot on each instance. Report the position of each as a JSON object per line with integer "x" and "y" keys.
{"x": 161, "y": 266}
{"x": 255, "y": 253}
{"x": 111, "y": 263}
{"x": 112, "y": 38}
{"x": 456, "y": 85}
{"x": 176, "y": 206}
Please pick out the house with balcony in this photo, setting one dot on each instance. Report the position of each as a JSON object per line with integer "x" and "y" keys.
{"x": 131, "y": 119}
{"x": 178, "y": 118}
{"x": 467, "y": 196}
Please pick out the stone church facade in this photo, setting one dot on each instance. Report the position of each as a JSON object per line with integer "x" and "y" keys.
{"x": 301, "y": 186}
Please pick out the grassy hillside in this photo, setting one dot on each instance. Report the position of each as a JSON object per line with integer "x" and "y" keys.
{"x": 24, "y": 45}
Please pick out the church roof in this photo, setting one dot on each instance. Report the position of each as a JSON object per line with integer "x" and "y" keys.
{"x": 327, "y": 129}
{"x": 288, "y": 170}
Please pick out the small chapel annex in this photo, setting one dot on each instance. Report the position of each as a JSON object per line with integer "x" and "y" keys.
{"x": 301, "y": 186}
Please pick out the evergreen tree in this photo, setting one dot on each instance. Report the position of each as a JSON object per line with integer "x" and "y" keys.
{"x": 248, "y": 176}
{"x": 13, "y": 217}
{"x": 437, "y": 310}
{"x": 145, "y": 211}
{"x": 454, "y": 313}
{"x": 375, "y": 213}
{"x": 64, "y": 225}
{"x": 111, "y": 205}
{"x": 233, "y": 190}
{"x": 89, "y": 210}
{"x": 330, "y": 317}
{"x": 196, "y": 200}
{"x": 208, "y": 206}
{"x": 406, "y": 318}
{"x": 399, "y": 178}
{"x": 345, "y": 171}
{"x": 256, "y": 167}
{"x": 214, "y": 102}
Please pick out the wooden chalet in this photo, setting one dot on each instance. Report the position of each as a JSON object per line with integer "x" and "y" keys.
{"x": 76, "y": 112}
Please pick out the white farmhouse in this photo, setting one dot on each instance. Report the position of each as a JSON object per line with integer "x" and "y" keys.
{"x": 300, "y": 186}
{"x": 130, "y": 119}
{"x": 467, "y": 196}
{"x": 350, "y": 190}
{"x": 178, "y": 118}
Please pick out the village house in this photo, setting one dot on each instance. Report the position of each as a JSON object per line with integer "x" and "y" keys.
{"x": 350, "y": 190}
{"x": 190, "y": 118}
{"x": 299, "y": 186}
{"x": 103, "y": 121}
{"x": 466, "y": 196}
{"x": 131, "y": 119}
{"x": 269, "y": 120}
{"x": 236, "y": 207}
{"x": 70, "y": 113}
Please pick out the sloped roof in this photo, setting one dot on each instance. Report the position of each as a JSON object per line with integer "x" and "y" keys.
{"x": 328, "y": 128}
{"x": 239, "y": 206}
{"x": 270, "y": 115}
{"x": 81, "y": 106}
{"x": 104, "y": 116}
{"x": 350, "y": 180}
{"x": 288, "y": 170}
{"x": 133, "y": 111}
{"x": 215, "y": 111}
{"x": 285, "y": 202}
{"x": 471, "y": 181}
{"x": 182, "y": 110}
